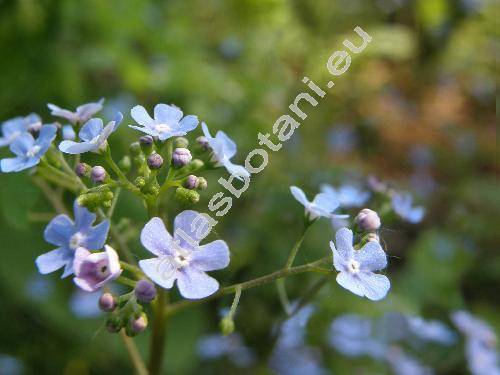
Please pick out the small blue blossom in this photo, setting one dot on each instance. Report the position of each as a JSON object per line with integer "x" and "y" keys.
{"x": 168, "y": 121}
{"x": 230, "y": 346}
{"x": 403, "y": 206}
{"x": 68, "y": 133}
{"x": 85, "y": 305}
{"x": 10, "y": 365}
{"x": 94, "y": 136}
{"x": 13, "y": 128}
{"x": 356, "y": 266}
{"x": 223, "y": 149}
{"x": 181, "y": 257}
{"x": 347, "y": 195}
{"x": 28, "y": 151}
{"x": 431, "y": 330}
{"x": 402, "y": 364}
{"x": 69, "y": 236}
{"x": 322, "y": 205}
{"x": 293, "y": 330}
{"x": 82, "y": 114}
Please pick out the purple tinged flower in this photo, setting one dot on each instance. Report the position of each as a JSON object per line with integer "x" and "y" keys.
{"x": 82, "y": 114}
{"x": 168, "y": 121}
{"x": 69, "y": 236}
{"x": 431, "y": 330}
{"x": 94, "y": 136}
{"x": 223, "y": 149}
{"x": 155, "y": 161}
{"x": 402, "y": 204}
{"x": 28, "y": 150}
{"x": 15, "y": 127}
{"x": 347, "y": 195}
{"x": 93, "y": 270}
{"x": 322, "y": 205}
{"x": 138, "y": 325}
{"x": 356, "y": 266}
{"x": 68, "y": 133}
{"x": 230, "y": 346}
{"x": 181, "y": 257}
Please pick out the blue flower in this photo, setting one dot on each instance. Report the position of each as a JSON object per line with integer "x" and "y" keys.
{"x": 181, "y": 257}
{"x": 168, "y": 121}
{"x": 347, "y": 195}
{"x": 230, "y": 346}
{"x": 13, "y": 128}
{"x": 431, "y": 330}
{"x": 69, "y": 236}
{"x": 68, "y": 133}
{"x": 28, "y": 150}
{"x": 94, "y": 136}
{"x": 402, "y": 364}
{"x": 82, "y": 114}
{"x": 402, "y": 204}
{"x": 356, "y": 266}
{"x": 322, "y": 205}
{"x": 223, "y": 149}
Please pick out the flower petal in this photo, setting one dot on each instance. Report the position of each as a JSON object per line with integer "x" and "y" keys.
{"x": 371, "y": 257}
{"x": 343, "y": 241}
{"x": 96, "y": 236}
{"x": 91, "y": 129}
{"x": 22, "y": 144}
{"x": 188, "y": 123}
{"x": 155, "y": 237}
{"x": 228, "y": 145}
{"x": 140, "y": 115}
{"x": 74, "y": 148}
{"x": 52, "y": 261}
{"x": 299, "y": 195}
{"x": 83, "y": 217}
{"x": 325, "y": 202}
{"x": 351, "y": 283}
{"x": 8, "y": 165}
{"x": 160, "y": 271}
{"x": 195, "y": 284}
{"x": 167, "y": 114}
{"x": 212, "y": 256}
{"x": 59, "y": 230}
{"x": 190, "y": 227}
{"x": 375, "y": 286}
{"x": 237, "y": 171}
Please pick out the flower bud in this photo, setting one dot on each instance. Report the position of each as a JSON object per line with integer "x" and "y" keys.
{"x": 368, "y": 220}
{"x": 202, "y": 183}
{"x": 181, "y": 142}
{"x": 146, "y": 143}
{"x": 226, "y": 325}
{"x": 113, "y": 325}
{"x": 135, "y": 149}
{"x": 181, "y": 157}
{"x": 186, "y": 196}
{"x": 82, "y": 170}
{"x": 145, "y": 291}
{"x": 98, "y": 174}
{"x": 107, "y": 302}
{"x": 137, "y": 325}
{"x": 125, "y": 164}
{"x": 191, "y": 182}
{"x": 155, "y": 161}
{"x": 140, "y": 182}
{"x": 203, "y": 142}
{"x": 196, "y": 164}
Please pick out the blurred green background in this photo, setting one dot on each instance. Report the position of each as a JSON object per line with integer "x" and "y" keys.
{"x": 417, "y": 107}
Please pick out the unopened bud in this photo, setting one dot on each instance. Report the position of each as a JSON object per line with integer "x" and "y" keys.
{"x": 98, "y": 174}
{"x": 155, "y": 161}
{"x": 202, "y": 183}
{"x": 226, "y": 325}
{"x": 181, "y": 157}
{"x": 145, "y": 291}
{"x": 368, "y": 220}
{"x": 181, "y": 142}
{"x": 125, "y": 164}
{"x": 107, "y": 302}
{"x": 113, "y": 325}
{"x": 135, "y": 149}
{"x": 82, "y": 170}
{"x": 186, "y": 196}
{"x": 140, "y": 182}
{"x": 137, "y": 325}
{"x": 203, "y": 142}
{"x": 146, "y": 143}
{"x": 191, "y": 182}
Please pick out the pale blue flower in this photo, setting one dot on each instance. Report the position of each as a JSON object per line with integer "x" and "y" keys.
{"x": 68, "y": 133}
{"x": 402, "y": 204}
{"x": 230, "y": 346}
{"x": 28, "y": 150}
{"x": 168, "y": 121}
{"x": 69, "y": 236}
{"x": 355, "y": 266}
{"x": 181, "y": 257}
{"x": 293, "y": 330}
{"x": 13, "y": 128}
{"x": 431, "y": 330}
{"x": 402, "y": 364}
{"x": 347, "y": 195}
{"x": 223, "y": 149}
{"x": 94, "y": 136}
{"x": 322, "y": 205}
{"x": 82, "y": 114}
{"x": 353, "y": 336}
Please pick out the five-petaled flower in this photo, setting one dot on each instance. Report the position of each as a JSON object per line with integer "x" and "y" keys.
{"x": 168, "y": 121}
{"x": 355, "y": 266}
{"x": 93, "y": 270}
{"x": 13, "y": 128}
{"x": 223, "y": 149}
{"x": 28, "y": 150}
{"x": 181, "y": 257}
{"x": 82, "y": 114}
{"x": 403, "y": 206}
{"x": 322, "y": 205}
{"x": 94, "y": 136}
{"x": 69, "y": 236}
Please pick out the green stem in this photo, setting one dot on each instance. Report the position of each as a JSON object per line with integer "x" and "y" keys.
{"x": 133, "y": 352}
{"x": 159, "y": 333}
{"x": 126, "y": 281}
{"x": 116, "y": 195}
{"x": 235, "y": 303}
{"x": 296, "y": 247}
{"x": 133, "y": 269}
{"x": 121, "y": 176}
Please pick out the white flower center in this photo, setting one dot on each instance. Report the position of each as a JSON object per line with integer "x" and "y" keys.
{"x": 181, "y": 258}
{"x": 33, "y": 151}
{"x": 76, "y": 240}
{"x": 169, "y": 264}
{"x": 163, "y": 128}
{"x": 353, "y": 266}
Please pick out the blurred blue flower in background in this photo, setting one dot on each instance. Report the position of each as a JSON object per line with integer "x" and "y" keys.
{"x": 230, "y": 346}
{"x": 431, "y": 330}
{"x": 347, "y": 195}
{"x": 84, "y": 304}
{"x": 342, "y": 139}
{"x": 82, "y": 114}
{"x": 13, "y": 128}
{"x": 10, "y": 365}
{"x": 402, "y": 364}
{"x": 402, "y": 204}
{"x": 322, "y": 205}
{"x": 28, "y": 150}
{"x": 68, "y": 133}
